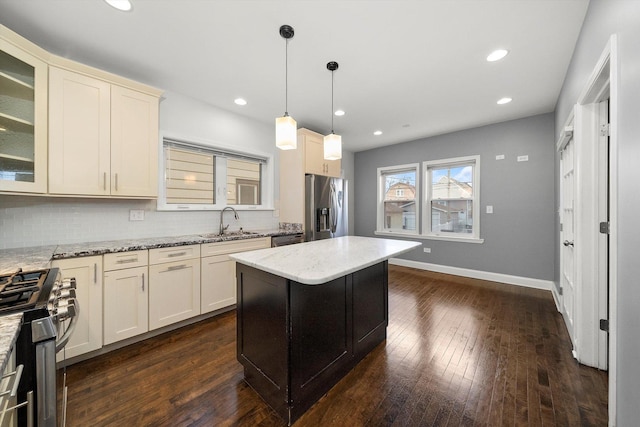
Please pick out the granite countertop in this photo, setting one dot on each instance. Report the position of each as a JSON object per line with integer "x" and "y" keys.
{"x": 320, "y": 261}
{"x": 9, "y": 329}
{"x": 35, "y": 258}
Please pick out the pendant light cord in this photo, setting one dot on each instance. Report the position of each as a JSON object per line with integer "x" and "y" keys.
{"x": 286, "y": 78}
{"x": 332, "y": 101}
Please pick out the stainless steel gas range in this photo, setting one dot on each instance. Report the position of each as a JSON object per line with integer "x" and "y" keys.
{"x": 50, "y": 311}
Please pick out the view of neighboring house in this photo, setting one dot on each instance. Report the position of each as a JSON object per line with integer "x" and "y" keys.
{"x": 400, "y": 206}
{"x": 451, "y": 209}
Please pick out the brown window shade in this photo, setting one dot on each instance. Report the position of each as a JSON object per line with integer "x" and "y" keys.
{"x": 189, "y": 176}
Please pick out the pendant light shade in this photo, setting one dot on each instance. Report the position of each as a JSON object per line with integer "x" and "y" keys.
{"x": 332, "y": 147}
{"x": 332, "y": 142}
{"x": 286, "y": 126}
{"x": 286, "y": 133}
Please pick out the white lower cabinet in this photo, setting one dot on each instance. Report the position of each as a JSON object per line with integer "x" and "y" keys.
{"x": 218, "y": 279}
{"x": 174, "y": 287}
{"x": 126, "y": 295}
{"x": 87, "y": 335}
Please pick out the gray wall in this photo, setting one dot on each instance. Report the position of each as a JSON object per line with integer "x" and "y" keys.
{"x": 604, "y": 18}
{"x": 519, "y": 235}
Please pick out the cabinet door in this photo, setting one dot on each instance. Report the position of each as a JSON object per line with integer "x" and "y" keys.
{"x": 23, "y": 120}
{"x": 79, "y": 134}
{"x": 134, "y": 143}
{"x": 314, "y": 155}
{"x": 174, "y": 292}
{"x": 333, "y": 168}
{"x": 87, "y": 335}
{"x": 218, "y": 283}
{"x": 126, "y": 303}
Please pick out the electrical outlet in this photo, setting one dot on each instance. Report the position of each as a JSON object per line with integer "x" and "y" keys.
{"x": 136, "y": 215}
{"x": 500, "y": 157}
{"x": 426, "y": 250}
{"x": 523, "y": 158}
{"x": 489, "y": 209}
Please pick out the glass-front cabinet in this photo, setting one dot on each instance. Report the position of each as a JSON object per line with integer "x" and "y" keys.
{"x": 23, "y": 119}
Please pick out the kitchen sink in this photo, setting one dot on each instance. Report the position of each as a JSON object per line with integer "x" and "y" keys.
{"x": 229, "y": 234}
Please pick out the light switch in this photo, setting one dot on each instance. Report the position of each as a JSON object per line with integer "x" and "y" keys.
{"x": 489, "y": 209}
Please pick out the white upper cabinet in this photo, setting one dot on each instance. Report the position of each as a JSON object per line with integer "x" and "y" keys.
{"x": 70, "y": 129}
{"x": 79, "y": 134}
{"x": 134, "y": 143}
{"x": 23, "y": 115}
{"x": 103, "y": 138}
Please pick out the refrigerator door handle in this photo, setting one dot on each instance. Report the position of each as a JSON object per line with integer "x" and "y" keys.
{"x": 333, "y": 212}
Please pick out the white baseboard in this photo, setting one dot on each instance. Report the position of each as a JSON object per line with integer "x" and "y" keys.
{"x": 476, "y": 274}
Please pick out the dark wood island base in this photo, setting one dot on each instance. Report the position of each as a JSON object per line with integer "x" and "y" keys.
{"x": 296, "y": 341}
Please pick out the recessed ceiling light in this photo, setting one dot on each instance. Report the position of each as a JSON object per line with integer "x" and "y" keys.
{"x": 504, "y": 101}
{"x": 497, "y": 55}
{"x": 339, "y": 113}
{"x": 240, "y": 101}
{"x": 378, "y": 132}
{"x": 123, "y": 5}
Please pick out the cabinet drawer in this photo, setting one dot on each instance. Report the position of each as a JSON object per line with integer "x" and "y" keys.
{"x": 176, "y": 253}
{"x": 220, "y": 248}
{"x": 120, "y": 260}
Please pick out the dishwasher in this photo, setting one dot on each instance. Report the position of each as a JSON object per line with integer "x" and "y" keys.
{"x": 288, "y": 239}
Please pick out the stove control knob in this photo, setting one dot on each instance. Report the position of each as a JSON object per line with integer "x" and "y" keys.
{"x": 68, "y": 283}
{"x": 66, "y": 311}
{"x": 67, "y": 293}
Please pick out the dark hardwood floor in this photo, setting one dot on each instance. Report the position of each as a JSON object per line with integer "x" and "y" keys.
{"x": 459, "y": 352}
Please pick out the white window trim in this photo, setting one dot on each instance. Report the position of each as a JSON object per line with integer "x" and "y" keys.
{"x": 380, "y": 230}
{"x": 426, "y": 215}
{"x": 267, "y": 179}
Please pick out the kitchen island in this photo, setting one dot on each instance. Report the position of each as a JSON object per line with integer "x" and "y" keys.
{"x": 308, "y": 313}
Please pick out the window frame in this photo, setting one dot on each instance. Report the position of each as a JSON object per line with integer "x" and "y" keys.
{"x": 473, "y": 161}
{"x": 380, "y": 220}
{"x": 267, "y": 173}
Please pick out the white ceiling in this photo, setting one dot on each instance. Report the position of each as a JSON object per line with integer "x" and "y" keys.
{"x": 409, "y": 68}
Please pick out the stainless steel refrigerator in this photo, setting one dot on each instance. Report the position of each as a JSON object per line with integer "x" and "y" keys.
{"x": 325, "y": 207}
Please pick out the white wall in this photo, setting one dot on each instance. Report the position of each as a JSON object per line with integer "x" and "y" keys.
{"x": 33, "y": 220}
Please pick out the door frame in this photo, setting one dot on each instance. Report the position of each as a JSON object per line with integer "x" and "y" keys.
{"x": 601, "y": 85}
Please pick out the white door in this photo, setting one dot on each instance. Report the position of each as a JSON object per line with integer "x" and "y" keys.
{"x": 567, "y": 248}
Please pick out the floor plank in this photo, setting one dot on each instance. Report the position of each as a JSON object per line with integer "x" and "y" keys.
{"x": 459, "y": 352}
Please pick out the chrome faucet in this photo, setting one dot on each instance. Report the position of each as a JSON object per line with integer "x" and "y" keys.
{"x": 222, "y": 227}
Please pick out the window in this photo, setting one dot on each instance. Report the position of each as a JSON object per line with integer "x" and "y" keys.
{"x": 397, "y": 207}
{"x": 201, "y": 177}
{"x": 452, "y": 198}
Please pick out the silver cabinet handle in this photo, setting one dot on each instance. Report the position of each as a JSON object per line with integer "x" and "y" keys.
{"x": 142, "y": 282}
{"x": 116, "y": 182}
{"x": 104, "y": 182}
{"x": 126, "y": 260}
{"x": 95, "y": 273}
{"x": 175, "y": 254}
{"x": 176, "y": 267}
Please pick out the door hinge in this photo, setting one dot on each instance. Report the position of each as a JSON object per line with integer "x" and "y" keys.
{"x": 605, "y": 129}
{"x": 604, "y": 227}
{"x": 604, "y": 325}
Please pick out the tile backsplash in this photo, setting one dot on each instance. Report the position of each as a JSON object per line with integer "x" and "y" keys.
{"x": 35, "y": 221}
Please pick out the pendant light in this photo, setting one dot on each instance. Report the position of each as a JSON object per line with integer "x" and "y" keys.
{"x": 332, "y": 142}
{"x": 286, "y": 127}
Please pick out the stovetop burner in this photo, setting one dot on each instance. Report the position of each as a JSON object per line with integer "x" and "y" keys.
{"x": 21, "y": 290}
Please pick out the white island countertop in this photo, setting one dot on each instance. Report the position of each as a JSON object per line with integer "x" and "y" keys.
{"x": 320, "y": 261}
